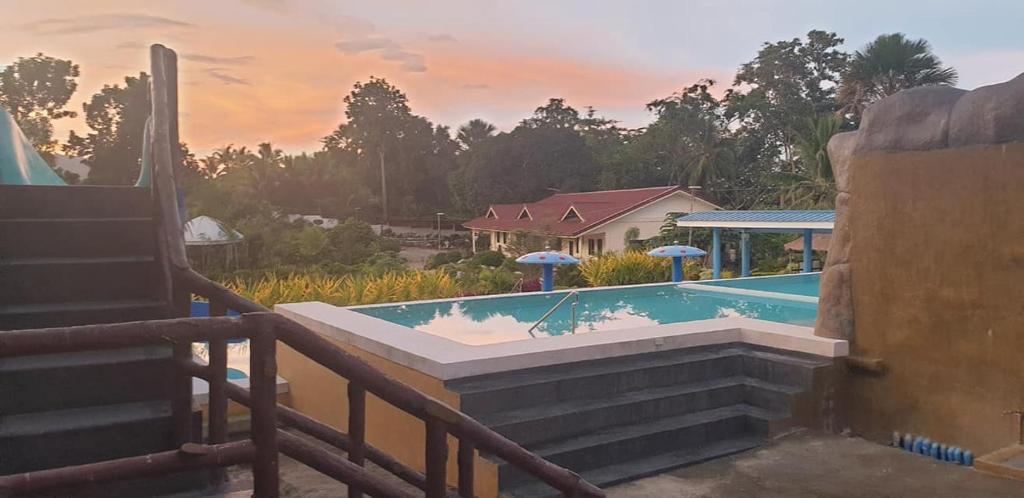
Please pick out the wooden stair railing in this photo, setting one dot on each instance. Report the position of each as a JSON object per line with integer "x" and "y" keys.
{"x": 263, "y": 330}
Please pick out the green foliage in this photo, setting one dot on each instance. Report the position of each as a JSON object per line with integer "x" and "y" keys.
{"x": 35, "y": 91}
{"x": 626, "y": 268}
{"x": 116, "y": 117}
{"x": 491, "y": 259}
{"x": 443, "y": 258}
{"x": 347, "y": 290}
{"x": 890, "y": 63}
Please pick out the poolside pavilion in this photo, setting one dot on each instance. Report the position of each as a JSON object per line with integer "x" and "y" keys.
{"x": 807, "y": 223}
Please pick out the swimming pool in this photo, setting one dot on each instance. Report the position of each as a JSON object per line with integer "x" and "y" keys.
{"x": 489, "y": 320}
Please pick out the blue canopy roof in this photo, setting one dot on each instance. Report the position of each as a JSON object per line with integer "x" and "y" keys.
{"x": 547, "y": 257}
{"x": 765, "y": 220}
{"x": 676, "y": 251}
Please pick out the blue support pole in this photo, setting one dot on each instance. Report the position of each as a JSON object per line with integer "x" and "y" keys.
{"x": 677, "y": 268}
{"x": 716, "y": 253}
{"x": 808, "y": 249}
{"x": 745, "y": 254}
{"x": 548, "y": 284}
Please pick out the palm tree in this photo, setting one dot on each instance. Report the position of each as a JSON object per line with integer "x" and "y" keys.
{"x": 473, "y": 132}
{"x": 890, "y": 63}
{"x": 813, "y": 184}
{"x": 263, "y": 170}
{"x": 705, "y": 155}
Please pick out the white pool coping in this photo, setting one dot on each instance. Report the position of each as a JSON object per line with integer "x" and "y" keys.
{"x": 446, "y": 359}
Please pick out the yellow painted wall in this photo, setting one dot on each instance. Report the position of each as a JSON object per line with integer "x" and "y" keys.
{"x": 938, "y": 261}
{"x": 321, "y": 394}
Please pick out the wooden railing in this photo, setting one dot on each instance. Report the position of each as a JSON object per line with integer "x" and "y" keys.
{"x": 264, "y": 330}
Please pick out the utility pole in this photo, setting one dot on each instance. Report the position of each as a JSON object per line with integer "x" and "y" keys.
{"x": 439, "y": 215}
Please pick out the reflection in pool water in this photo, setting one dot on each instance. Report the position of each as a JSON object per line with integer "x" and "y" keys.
{"x": 507, "y": 318}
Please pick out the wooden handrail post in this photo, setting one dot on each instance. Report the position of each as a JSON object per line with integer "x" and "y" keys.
{"x": 465, "y": 460}
{"x": 263, "y": 429}
{"x": 217, "y": 413}
{"x": 356, "y": 430}
{"x": 436, "y": 458}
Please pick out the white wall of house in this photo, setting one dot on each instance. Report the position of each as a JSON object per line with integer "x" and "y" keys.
{"x": 647, "y": 219}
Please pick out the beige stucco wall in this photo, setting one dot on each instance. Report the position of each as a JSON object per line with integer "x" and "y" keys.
{"x": 321, "y": 394}
{"x": 937, "y": 261}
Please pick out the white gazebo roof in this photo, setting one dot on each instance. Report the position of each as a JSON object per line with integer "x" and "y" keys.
{"x": 207, "y": 231}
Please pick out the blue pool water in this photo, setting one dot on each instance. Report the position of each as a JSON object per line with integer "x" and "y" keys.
{"x": 507, "y": 318}
{"x": 806, "y": 284}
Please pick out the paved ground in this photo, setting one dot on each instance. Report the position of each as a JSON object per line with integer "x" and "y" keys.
{"x": 810, "y": 464}
{"x": 416, "y": 257}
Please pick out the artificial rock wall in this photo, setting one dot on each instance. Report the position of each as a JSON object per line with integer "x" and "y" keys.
{"x": 926, "y": 268}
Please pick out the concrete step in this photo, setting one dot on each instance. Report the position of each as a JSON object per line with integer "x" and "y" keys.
{"x": 628, "y": 442}
{"x": 77, "y": 380}
{"x": 618, "y": 473}
{"x": 535, "y": 424}
{"x": 80, "y": 201}
{"x": 34, "y": 441}
{"x": 48, "y": 280}
{"x": 76, "y": 237}
{"x": 594, "y": 379}
{"x": 782, "y": 368}
{"x": 24, "y": 316}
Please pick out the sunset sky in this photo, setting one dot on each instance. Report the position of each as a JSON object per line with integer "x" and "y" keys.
{"x": 276, "y": 70}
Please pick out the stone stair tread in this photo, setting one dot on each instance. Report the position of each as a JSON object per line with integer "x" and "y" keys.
{"x": 540, "y": 412}
{"x": 792, "y": 358}
{"x": 490, "y": 382}
{"x": 84, "y": 359}
{"x": 80, "y": 306}
{"x": 31, "y": 424}
{"x": 635, "y": 469}
{"x": 630, "y": 431}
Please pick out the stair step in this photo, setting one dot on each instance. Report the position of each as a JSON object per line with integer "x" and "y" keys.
{"x": 33, "y": 441}
{"x": 541, "y": 423}
{"x": 47, "y": 280}
{"x": 94, "y": 201}
{"x": 787, "y": 369}
{"x": 621, "y": 472}
{"x": 593, "y": 379}
{"x": 635, "y": 441}
{"x": 23, "y": 316}
{"x": 74, "y": 380}
{"x": 76, "y": 237}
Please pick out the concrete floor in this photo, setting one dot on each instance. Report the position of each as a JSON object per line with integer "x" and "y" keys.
{"x": 810, "y": 464}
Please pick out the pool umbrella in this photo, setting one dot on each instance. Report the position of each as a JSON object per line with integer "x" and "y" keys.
{"x": 548, "y": 260}
{"x": 677, "y": 253}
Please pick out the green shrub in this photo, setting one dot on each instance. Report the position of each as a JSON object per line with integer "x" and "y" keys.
{"x": 443, "y": 258}
{"x": 627, "y": 268}
{"x": 488, "y": 258}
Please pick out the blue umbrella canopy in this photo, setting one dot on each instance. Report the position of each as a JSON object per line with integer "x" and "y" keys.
{"x": 547, "y": 257}
{"x": 676, "y": 251}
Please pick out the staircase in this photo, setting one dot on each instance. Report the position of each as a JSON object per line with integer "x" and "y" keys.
{"x": 76, "y": 256}
{"x": 620, "y": 419}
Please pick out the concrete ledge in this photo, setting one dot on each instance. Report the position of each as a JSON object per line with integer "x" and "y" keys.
{"x": 445, "y": 359}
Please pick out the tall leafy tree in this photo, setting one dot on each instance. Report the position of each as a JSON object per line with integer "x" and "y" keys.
{"x": 116, "y": 117}
{"x": 787, "y": 83}
{"x": 474, "y": 132}
{"x": 812, "y": 186}
{"x": 36, "y": 90}
{"x": 890, "y": 63}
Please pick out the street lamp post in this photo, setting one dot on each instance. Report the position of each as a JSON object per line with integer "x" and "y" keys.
{"x": 692, "y": 197}
{"x": 439, "y": 215}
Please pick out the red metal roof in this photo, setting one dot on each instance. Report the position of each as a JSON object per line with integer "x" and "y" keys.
{"x": 594, "y": 208}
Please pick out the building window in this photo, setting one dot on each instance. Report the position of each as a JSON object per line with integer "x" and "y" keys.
{"x": 595, "y": 246}
{"x": 503, "y": 237}
{"x": 573, "y": 250}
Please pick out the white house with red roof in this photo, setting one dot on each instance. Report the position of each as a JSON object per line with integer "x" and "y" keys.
{"x": 588, "y": 223}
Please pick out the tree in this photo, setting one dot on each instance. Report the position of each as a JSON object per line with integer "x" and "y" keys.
{"x": 788, "y": 83}
{"x": 474, "y": 132}
{"x": 890, "y": 63}
{"x": 376, "y": 113}
{"x": 813, "y": 185}
{"x": 35, "y": 91}
{"x": 117, "y": 117}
